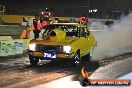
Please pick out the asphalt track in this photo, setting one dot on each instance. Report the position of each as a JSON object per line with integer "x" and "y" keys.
{"x": 17, "y": 73}
{"x": 108, "y": 70}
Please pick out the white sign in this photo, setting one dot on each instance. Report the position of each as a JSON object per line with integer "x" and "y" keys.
{"x": 11, "y": 47}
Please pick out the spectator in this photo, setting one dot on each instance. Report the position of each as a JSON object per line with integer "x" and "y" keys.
{"x": 25, "y": 33}
{"x": 36, "y": 27}
{"x": 83, "y": 20}
{"x": 109, "y": 23}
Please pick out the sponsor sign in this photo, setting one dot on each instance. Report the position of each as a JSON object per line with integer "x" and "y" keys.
{"x": 11, "y": 47}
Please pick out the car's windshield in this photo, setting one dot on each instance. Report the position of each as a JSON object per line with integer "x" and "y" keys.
{"x": 70, "y": 30}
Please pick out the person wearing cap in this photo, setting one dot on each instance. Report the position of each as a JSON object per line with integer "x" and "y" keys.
{"x": 83, "y": 20}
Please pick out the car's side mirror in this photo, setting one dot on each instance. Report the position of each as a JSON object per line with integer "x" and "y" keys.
{"x": 88, "y": 34}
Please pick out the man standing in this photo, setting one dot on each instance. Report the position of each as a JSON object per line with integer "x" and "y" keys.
{"x": 109, "y": 23}
{"x": 25, "y": 33}
{"x": 36, "y": 26}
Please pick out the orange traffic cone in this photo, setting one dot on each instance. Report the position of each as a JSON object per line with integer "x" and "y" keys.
{"x": 25, "y": 33}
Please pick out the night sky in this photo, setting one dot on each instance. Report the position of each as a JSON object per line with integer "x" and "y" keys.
{"x": 93, "y": 3}
{"x": 66, "y": 7}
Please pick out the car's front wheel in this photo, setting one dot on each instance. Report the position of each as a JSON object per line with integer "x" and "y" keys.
{"x": 87, "y": 57}
{"x": 76, "y": 59}
{"x": 33, "y": 61}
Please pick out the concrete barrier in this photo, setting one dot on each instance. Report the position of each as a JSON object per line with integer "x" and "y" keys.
{"x": 93, "y": 24}
{"x": 18, "y": 19}
{"x": 11, "y": 30}
{"x": 5, "y": 38}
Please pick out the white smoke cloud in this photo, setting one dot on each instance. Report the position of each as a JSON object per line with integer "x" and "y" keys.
{"x": 115, "y": 42}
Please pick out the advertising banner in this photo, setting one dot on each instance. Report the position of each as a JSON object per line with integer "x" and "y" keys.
{"x": 11, "y": 47}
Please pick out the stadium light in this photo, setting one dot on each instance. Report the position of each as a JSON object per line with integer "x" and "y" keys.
{"x": 95, "y": 10}
{"x": 90, "y": 11}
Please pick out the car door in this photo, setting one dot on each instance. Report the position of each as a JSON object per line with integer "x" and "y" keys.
{"x": 87, "y": 40}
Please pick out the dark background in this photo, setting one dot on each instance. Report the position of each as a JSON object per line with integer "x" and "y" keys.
{"x": 72, "y": 8}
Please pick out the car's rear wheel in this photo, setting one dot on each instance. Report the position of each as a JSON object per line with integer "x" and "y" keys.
{"x": 33, "y": 61}
{"x": 76, "y": 59}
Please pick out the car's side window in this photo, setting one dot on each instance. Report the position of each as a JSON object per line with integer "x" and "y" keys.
{"x": 87, "y": 31}
{"x": 82, "y": 32}
{"x": 52, "y": 33}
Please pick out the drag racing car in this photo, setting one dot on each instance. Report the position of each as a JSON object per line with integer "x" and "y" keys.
{"x": 68, "y": 41}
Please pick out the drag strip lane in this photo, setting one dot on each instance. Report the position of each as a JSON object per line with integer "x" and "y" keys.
{"x": 21, "y": 76}
{"x": 26, "y": 79}
{"x": 36, "y": 80}
{"x": 113, "y": 70}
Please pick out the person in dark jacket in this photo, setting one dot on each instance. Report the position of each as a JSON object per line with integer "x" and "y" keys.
{"x": 109, "y": 23}
{"x": 36, "y": 26}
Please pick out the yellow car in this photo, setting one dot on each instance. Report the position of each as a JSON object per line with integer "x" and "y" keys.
{"x": 62, "y": 41}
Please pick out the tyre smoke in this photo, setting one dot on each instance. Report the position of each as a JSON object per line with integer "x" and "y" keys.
{"x": 115, "y": 41}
